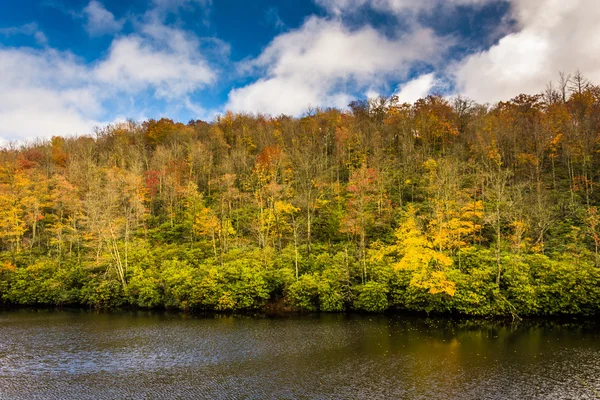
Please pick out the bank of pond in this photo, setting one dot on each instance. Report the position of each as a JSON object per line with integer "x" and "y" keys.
{"x": 250, "y": 280}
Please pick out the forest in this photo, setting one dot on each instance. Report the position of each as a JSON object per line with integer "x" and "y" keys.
{"x": 441, "y": 206}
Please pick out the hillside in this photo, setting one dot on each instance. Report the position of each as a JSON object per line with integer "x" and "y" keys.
{"x": 444, "y": 205}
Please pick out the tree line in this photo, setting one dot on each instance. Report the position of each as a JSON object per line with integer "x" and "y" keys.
{"x": 444, "y": 205}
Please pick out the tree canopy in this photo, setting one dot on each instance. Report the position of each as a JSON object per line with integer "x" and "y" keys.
{"x": 444, "y": 205}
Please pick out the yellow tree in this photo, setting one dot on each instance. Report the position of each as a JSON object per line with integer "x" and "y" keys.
{"x": 364, "y": 208}
{"x": 419, "y": 256}
{"x": 205, "y": 222}
{"x": 265, "y": 189}
{"x": 32, "y": 187}
{"x": 286, "y": 216}
{"x": 66, "y": 206}
{"x": 12, "y": 224}
{"x": 499, "y": 204}
{"x": 228, "y": 195}
{"x": 592, "y": 227}
{"x": 23, "y": 195}
{"x": 434, "y": 122}
{"x": 456, "y": 218}
{"x": 112, "y": 213}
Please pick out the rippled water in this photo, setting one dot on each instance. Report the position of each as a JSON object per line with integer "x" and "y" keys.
{"x": 136, "y": 355}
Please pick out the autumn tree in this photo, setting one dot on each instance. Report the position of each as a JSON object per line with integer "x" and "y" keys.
{"x": 365, "y": 208}
{"x": 417, "y": 255}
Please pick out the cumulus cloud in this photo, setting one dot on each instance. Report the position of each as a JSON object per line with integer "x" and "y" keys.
{"x": 41, "y": 94}
{"x": 168, "y": 60}
{"x": 45, "y": 92}
{"x": 416, "y": 89}
{"x": 30, "y": 29}
{"x": 324, "y": 62}
{"x": 552, "y": 36}
{"x": 160, "y": 57}
{"x": 171, "y": 5}
{"x": 100, "y": 21}
{"x": 162, "y": 8}
{"x": 321, "y": 62}
{"x": 339, "y": 7}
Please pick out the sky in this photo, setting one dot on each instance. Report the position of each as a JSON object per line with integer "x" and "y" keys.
{"x": 68, "y": 66}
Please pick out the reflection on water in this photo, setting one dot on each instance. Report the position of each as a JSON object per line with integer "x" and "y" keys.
{"x": 86, "y": 355}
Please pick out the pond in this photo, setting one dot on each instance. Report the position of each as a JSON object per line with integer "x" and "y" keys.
{"x": 136, "y": 355}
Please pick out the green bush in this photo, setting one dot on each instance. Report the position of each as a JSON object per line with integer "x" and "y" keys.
{"x": 178, "y": 281}
{"x": 371, "y": 297}
{"x": 99, "y": 292}
{"x": 143, "y": 288}
{"x": 304, "y": 293}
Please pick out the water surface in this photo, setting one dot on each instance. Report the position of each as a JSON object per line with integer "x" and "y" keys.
{"x": 138, "y": 355}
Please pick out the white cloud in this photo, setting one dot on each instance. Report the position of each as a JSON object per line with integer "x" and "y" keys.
{"x": 416, "y": 89}
{"x": 134, "y": 64}
{"x": 320, "y": 63}
{"x": 162, "y": 8}
{"x": 173, "y": 5}
{"x": 280, "y": 95}
{"x": 43, "y": 93}
{"x": 100, "y": 21}
{"x": 46, "y": 92}
{"x": 167, "y": 59}
{"x": 553, "y": 36}
{"x": 30, "y": 29}
{"x": 339, "y": 7}
{"x": 272, "y": 18}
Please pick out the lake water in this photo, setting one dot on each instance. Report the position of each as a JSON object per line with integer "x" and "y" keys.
{"x": 137, "y": 355}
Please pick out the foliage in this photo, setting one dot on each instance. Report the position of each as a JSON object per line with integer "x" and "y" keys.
{"x": 441, "y": 206}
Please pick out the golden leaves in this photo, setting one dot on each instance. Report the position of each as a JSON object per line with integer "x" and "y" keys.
{"x": 418, "y": 256}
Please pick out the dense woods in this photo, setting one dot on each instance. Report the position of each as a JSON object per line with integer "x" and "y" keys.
{"x": 440, "y": 206}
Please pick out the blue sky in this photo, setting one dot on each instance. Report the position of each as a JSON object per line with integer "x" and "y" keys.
{"x": 67, "y": 66}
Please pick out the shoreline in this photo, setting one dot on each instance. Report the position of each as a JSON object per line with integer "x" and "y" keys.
{"x": 267, "y": 312}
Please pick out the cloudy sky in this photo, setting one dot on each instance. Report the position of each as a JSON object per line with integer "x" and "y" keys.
{"x": 69, "y": 65}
